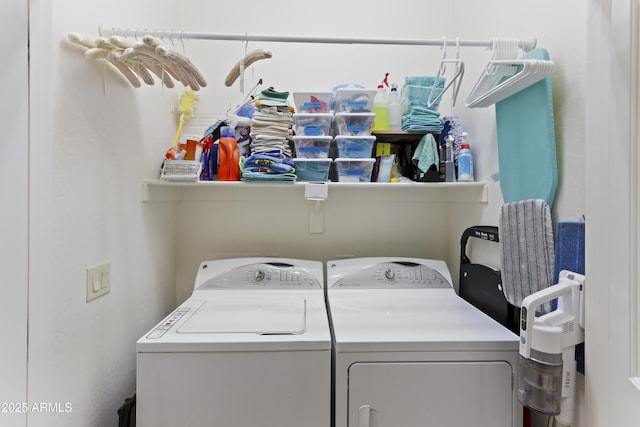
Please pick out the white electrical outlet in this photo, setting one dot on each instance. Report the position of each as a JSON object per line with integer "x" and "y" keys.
{"x": 98, "y": 280}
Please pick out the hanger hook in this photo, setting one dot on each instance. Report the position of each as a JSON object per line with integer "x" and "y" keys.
{"x": 457, "y": 47}
{"x": 444, "y": 48}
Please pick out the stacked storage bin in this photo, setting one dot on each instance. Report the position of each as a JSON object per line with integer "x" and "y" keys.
{"x": 353, "y": 123}
{"x": 312, "y": 140}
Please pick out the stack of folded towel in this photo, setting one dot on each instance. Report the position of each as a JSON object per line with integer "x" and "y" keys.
{"x": 419, "y": 117}
{"x": 268, "y": 166}
{"x": 271, "y": 128}
{"x": 272, "y": 123}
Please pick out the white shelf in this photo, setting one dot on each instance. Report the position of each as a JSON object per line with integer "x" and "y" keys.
{"x": 158, "y": 190}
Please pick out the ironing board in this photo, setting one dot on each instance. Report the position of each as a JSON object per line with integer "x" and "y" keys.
{"x": 526, "y": 141}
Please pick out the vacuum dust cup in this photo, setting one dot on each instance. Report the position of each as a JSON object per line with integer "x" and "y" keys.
{"x": 540, "y": 383}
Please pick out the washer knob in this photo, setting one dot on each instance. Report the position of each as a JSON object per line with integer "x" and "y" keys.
{"x": 259, "y": 275}
{"x": 389, "y": 273}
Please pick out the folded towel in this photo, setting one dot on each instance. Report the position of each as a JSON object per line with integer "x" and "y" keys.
{"x": 272, "y": 97}
{"x": 526, "y": 249}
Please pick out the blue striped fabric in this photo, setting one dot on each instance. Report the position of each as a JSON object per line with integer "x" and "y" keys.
{"x": 527, "y": 251}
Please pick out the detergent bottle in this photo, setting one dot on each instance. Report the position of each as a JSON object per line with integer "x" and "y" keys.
{"x": 380, "y": 107}
{"x": 395, "y": 112}
{"x": 228, "y": 156}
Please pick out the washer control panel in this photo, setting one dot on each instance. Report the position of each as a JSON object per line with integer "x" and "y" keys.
{"x": 261, "y": 276}
{"x": 393, "y": 275}
{"x": 163, "y": 327}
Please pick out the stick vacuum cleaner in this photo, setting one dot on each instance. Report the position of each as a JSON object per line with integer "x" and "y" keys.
{"x": 547, "y": 348}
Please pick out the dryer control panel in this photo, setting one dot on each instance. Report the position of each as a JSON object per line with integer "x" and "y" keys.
{"x": 393, "y": 275}
{"x": 268, "y": 276}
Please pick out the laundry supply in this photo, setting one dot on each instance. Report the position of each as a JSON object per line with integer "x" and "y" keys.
{"x": 395, "y": 109}
{"x": 209, "y": 168}
{"x": 228, "y": 156}
{"x": 380, "y": 107}
{"x": 465, "y": 161}
{"x": 449, "y": 167}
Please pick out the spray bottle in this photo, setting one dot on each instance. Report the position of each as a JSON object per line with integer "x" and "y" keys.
{"x": 449, "y": 167}
{"x": 380, "y": 106}
{"x": 395, "y": 112}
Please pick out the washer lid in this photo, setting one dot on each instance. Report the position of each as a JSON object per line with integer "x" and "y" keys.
{"x": 262, "y": 315}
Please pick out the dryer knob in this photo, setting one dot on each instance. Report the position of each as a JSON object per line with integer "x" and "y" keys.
{"x": 259, "y": 275}
{"x": 389, "y": 273}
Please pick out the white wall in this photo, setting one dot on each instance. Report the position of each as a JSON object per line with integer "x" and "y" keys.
{"x": 14, "y": 191}
{"x": 91, "y": 152}
{"x": 95, "y": 149}
{"x": 612, "y": 391}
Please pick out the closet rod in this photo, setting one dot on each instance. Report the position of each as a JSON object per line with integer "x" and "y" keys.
{"x": 105, "y": 31}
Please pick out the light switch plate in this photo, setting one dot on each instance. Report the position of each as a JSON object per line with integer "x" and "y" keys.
{"x": 98, "y": 280}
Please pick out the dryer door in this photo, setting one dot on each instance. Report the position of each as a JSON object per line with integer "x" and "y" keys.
{"x": 443, "y": 394}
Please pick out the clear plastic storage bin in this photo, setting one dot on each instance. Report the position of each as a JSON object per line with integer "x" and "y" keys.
{"x": 312, "y": 147}
{"x": 357, "y": 147}
{"x": 312, "y": 124}
{"x": 354, "y": 124}
{"x": 312, "y": 102}
{"x": 354, "y": 100}
{"x": 354, "y": 170}
{"x": 312, "y": 169}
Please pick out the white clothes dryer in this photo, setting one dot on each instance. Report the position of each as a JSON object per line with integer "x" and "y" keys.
{"x": 410, "y": 352}
{"x": 250, "y": 347}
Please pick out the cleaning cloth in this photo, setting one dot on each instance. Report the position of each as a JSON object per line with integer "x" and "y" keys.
{"x": 426, "y": 153}
{"x": 526, "y": 249}
{"x": 570, "y": 250}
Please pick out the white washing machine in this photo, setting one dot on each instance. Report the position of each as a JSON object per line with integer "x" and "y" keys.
{"x": 410, "y": 352}
{"x": 250, "y": 347}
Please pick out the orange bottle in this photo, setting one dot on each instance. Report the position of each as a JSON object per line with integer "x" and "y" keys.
{"x": 228, "y": 156}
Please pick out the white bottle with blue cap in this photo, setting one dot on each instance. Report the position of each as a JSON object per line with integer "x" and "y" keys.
{"x": 465, "y": 160}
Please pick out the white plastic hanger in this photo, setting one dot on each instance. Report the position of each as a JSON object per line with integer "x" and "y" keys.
{"x": 141, "y": 60}
{"x": 506, "y": 75}
{"x": 528, "y": 72}
{"x": 455, "y": 80}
